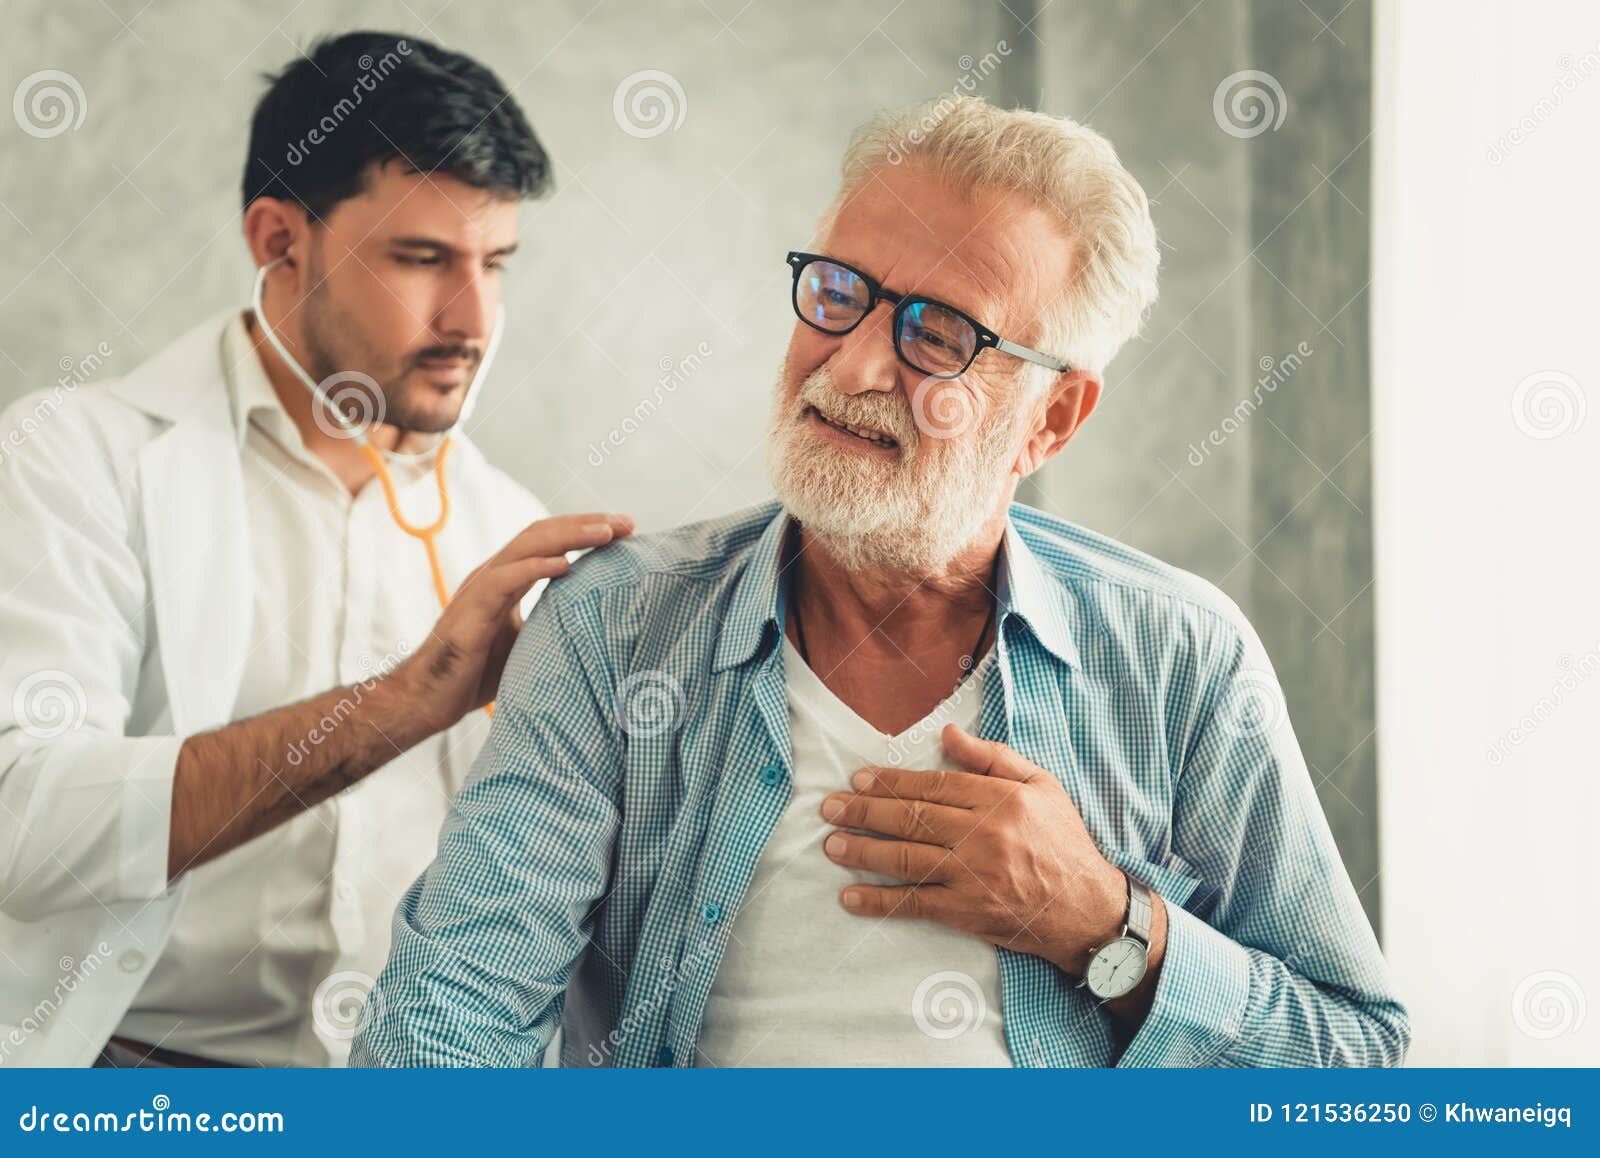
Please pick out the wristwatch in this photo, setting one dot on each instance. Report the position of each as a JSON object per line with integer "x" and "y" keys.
{"x": 1117, "y": 966}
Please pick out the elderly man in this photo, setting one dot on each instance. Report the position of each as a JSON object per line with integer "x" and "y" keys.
{"x": 899, "y": 772}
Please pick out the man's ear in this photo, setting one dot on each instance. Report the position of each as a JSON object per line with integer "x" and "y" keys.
{"x": 274, "y": 229}
{"x": 1072, "y": 398}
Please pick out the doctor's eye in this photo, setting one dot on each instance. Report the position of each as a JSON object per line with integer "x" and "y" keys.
{"x": 415, "y": 261}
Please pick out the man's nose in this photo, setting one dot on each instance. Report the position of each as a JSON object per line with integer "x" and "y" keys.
{"x": 866, "y": 358}
{"x": 468, "y": 316}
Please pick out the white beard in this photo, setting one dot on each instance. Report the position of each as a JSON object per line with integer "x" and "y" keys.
{"x": 912, "y": 515}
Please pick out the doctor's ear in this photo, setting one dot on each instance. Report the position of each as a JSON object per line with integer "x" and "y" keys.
{"x": 275, "y": 230}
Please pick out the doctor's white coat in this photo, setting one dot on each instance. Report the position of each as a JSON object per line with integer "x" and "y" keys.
{"x": 122, "y": 528}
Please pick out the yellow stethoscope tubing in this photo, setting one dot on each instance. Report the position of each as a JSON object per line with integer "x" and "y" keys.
{"x": 428, "y": 535}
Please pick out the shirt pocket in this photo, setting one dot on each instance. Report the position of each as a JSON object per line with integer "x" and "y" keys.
{"x": 1171, "y": 878}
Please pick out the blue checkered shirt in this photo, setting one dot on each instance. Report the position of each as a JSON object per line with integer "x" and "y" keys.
{"x": 589, "y": 871}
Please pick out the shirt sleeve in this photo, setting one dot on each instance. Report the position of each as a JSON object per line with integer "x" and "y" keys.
{"x": 85, "y": 809}
{"x": 1284, "y": 969}
{"x": 484, "y": 942}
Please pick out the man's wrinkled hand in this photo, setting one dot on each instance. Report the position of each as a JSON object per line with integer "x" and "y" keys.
{"x": 998, "y": 850}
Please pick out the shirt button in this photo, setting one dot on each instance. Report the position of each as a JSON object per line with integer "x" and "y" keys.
{"x": 772, "y": 775}
{"x": 712, "y": 913}
{"x": 131, "y": 961}
{"x": 665, "y": 1056}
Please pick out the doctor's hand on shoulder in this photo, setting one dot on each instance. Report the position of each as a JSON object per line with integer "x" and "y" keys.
{"x": 458, "y": 667}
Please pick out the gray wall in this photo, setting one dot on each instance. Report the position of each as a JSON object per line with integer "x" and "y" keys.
{"x": 1220, "y": 445}
{"x": 666, "y": 248}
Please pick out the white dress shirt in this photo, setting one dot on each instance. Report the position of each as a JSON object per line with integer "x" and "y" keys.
{"x": 278, "y": 941}
{"x": 803, "y": 982}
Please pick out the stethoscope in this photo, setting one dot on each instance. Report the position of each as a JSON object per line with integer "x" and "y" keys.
{"x": 428, "y": 535}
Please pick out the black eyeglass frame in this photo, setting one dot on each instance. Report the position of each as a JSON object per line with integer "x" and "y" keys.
{"x": 876, "y": 292}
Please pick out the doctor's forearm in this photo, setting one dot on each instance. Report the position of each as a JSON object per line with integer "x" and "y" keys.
{"x": 235, "y": 783}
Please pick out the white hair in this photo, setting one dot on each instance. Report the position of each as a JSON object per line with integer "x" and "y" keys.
{"x": 1068, "y": 170}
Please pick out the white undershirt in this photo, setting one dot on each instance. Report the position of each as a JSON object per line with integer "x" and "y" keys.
{"x": 805, "y": 983}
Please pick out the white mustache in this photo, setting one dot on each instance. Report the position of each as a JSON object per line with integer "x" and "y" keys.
{"x": 885, "y": 411}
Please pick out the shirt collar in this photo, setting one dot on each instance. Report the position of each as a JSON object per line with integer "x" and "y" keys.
{"x": 1036, "y": 598}
{"x": 249, "y": 390}
{"x": 757, "y": 608}
{"x": 251, "y": 394}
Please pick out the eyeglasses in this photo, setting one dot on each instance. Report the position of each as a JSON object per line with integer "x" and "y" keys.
{"x": 929, "y": 336}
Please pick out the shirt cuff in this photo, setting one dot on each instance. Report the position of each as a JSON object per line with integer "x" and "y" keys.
{"x": 146, "y": 818}
{"x": 1200, "y": 997}
{"x": 95, "y": 826}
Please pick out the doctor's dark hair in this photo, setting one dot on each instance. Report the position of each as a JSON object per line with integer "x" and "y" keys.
{"x": 368, "y": 97}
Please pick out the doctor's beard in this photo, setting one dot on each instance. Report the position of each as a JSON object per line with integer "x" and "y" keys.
{"x": 909, "y": 515}
{"x": 337, "y": 348}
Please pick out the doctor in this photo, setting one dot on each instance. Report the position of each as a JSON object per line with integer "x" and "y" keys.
{"x": 231, "y": 711}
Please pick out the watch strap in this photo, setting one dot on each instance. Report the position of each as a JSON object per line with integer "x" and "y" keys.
{"x": 1140, "y": 910}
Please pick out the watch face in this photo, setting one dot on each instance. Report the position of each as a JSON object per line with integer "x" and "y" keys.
{"x": 1116, "y": 968}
